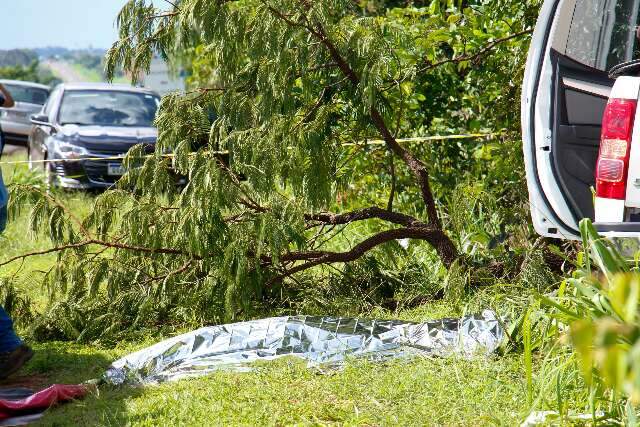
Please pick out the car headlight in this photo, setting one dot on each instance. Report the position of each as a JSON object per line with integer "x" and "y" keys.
{"x": 4, "y": 114}
{"x": 70, "y": 151}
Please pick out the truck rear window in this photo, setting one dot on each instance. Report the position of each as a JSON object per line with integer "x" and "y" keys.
{"x": 604, "y": 33}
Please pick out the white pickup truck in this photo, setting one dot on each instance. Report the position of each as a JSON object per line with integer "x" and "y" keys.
{"x": 581, "y": 124}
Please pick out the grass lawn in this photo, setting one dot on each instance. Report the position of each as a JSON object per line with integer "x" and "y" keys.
{"x": 423, "y": 392}
{"x": 483, "y": 391}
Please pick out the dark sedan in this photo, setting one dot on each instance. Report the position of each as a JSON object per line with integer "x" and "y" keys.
{"x": 81, "y": 124}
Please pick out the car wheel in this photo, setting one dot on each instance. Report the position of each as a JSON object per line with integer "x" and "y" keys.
{"x": 30, "y": 158}
{"x": 49, "y": 177}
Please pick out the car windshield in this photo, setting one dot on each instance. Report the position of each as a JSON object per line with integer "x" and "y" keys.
{"x": 31, "y": 95}
{"x": 108, "y": 108}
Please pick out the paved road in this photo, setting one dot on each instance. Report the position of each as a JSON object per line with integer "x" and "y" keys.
{"x": 64, "y": 71}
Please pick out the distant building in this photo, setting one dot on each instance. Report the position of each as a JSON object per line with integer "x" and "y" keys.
{"x": 161, "y": 79}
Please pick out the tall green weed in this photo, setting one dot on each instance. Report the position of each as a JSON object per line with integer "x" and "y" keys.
{"x": 594, "y": 330}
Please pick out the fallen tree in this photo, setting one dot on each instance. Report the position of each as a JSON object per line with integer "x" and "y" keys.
{"x": 299, "y": 89}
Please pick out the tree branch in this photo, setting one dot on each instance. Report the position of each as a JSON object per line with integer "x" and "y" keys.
{"x": 392, "y": 193}
{"x": 181, "y": 270}
{"x": 327, "y": 218}
{"x": 175, "y": 5}
{"x": 43, "y": 252}
{"x": 417, "y": 167}
{"x": 281, "y": 15}
{"x": 430, "y": 234}
{"x": 486, "y": 49}
{"x": 52, "y": 200}
{"x": 163, "y": 15}
{"x": 444, "y": 246}
{"x": 163, "y": 251}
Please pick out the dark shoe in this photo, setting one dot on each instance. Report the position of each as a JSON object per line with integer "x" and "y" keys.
{"x": 10, "y": 363}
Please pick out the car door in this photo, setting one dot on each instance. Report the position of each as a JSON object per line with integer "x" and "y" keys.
{"x": 565, "y": 93}
{"x": 39, "y": 132}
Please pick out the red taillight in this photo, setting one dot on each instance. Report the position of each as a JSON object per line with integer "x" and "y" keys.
{"x": 615, "y": 145}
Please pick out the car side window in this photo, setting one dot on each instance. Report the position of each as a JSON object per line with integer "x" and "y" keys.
{"x": 604, "y": 33}
{"x": 48, "y": 107}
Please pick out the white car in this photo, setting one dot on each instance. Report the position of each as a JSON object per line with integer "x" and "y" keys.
{"x": 580, "y": 121}
{"x": 16, "y": 122}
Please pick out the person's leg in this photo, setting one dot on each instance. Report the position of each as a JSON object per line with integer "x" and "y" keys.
{"x": 4, "y": 200}
{"x": 3, "y": 217}
{"x": 9, "y": 341}
{"x": 1, "y": 143}
{"x": 13, "y": 353}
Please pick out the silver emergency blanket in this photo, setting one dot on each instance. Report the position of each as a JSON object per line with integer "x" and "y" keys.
{"x": 318, "y": 340}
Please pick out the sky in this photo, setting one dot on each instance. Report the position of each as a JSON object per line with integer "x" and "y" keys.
{"x": 65, "y": 23}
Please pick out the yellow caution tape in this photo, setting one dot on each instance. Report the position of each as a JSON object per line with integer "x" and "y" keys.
{"x": 346, "y": 144}
{"x": 79, "y": 159}
{"x": 429, "y": 138}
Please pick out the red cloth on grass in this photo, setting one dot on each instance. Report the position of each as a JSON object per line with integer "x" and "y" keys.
{"x": 42, "y": 400}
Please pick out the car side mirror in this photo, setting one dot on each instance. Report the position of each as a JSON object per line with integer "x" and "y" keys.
{"x": 40, "y": 119}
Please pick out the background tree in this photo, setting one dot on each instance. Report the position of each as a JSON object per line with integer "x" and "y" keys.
{"x": 22, "y": 57}
{"x": 31, "y": 73}
{"x": 299, "y": 89}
